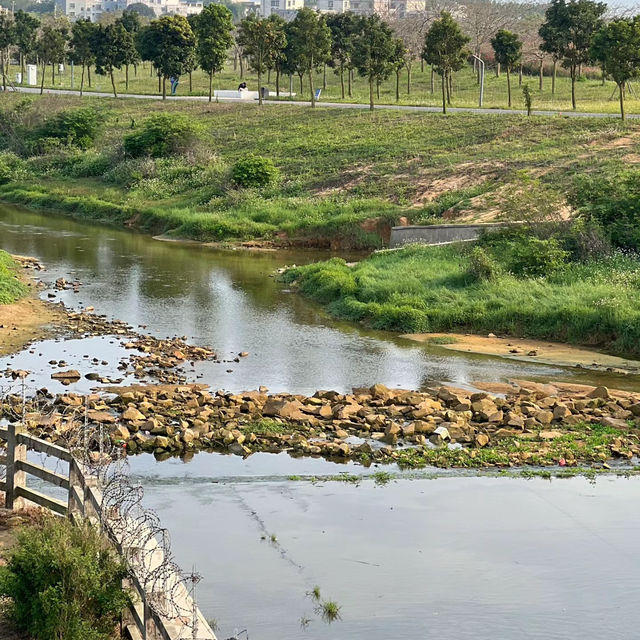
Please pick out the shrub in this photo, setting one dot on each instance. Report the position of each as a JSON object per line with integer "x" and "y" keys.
{"x": 482, "y": 266}
{"x": 64, "y": 581}
{"x": 161, "y": 135}
{"x": 10, "y": 167}
{"x": 534, "y": 257}
{"x": 254, "y": 171}
{"x": 613, "y": 203}
{"x": 77, "y": 127}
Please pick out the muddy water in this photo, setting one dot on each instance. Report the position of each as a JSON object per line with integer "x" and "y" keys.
{"x": 452, "y": 558}
{"x": 227, "y": 300}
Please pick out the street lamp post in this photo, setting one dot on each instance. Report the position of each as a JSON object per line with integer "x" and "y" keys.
{"x": 480, "y": 61}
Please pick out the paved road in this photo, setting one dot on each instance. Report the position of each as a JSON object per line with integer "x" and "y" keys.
{"x": 340, "y": 105}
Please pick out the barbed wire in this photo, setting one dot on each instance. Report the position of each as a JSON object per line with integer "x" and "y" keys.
{"x": 65, "y": 420}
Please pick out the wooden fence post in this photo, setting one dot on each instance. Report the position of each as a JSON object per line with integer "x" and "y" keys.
{"x": 15, "y": 479}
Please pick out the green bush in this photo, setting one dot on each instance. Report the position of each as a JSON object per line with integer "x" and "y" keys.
{"x": 535, "y": 257}
{"x": 482, "y": 266}
{"x": 10, "y": 287}
{"x": 65, "y": 582}
{"x": 254, "y": 171}
{"x": 76, "y": 127}
{"x": 613, "y": 203}
{"x": 10, "y": 167}
{"x": 160, "y": 136}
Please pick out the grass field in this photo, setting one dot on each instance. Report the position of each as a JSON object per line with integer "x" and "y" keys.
{"x": 592, "y": 95}
{"x": 339, "y": 168}
{"x": 10, "y": 287}
{"x": 433, "y": 289}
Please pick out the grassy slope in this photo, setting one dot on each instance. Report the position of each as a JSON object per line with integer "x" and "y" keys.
{"x": 592, "y": 95}
{"x": 422, "y": 289}
{"x": 10, "y": 287}
{"x": 339, "y": 167}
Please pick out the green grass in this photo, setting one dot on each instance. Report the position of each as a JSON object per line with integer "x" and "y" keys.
{"x": 592, "y": 95}
{"x": 10, "y": 287}
{"x": 339, "y": 168}
{"x": 430, "y": 289}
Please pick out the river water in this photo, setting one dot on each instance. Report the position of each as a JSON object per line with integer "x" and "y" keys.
{"x": 455, "y": 557}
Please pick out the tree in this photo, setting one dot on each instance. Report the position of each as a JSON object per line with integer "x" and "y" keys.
{"x": 399, "y": 61}
{"x": 311, "y": 43}
{"x": 585, "y": 19}
{"x": 373, "y": 52}
{"x": 617, "y": 47}
{"x": 260, "y": 41}
{"x": 445, "y": 47}
{"x": 112, "y": 46}
{"x": 507, "y": 47}
{"x": 82, "y": 35}
{"x": 169, "y": 42}
{"x": 344, "y": 27}
{"x": 51, "y": 44}
{"x": 7, "y": 39}
{"x": 213, "y": 28}
{"x": 554, "y": 32}
{"x": 26, "y": 27}
{"x": 143, "y": 10}
{"x": 130, "y": 22}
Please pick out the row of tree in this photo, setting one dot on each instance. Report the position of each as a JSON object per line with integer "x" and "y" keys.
{"x": 573, "y": 33}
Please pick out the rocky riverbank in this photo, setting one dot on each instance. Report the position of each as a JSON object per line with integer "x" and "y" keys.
{"x": 520, "y": 423}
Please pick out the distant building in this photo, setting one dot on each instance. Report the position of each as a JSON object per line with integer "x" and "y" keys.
{"x": 93, "y": 9}
{"x": 334, "y": 6}
{"x": 285, "y": 8}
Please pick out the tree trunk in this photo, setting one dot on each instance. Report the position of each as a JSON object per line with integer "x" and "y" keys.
{"x": 421, "y": 65}
{"x": 210, "y": 86}
{"x": 509, "y": 86}
{"x": 126, "y": 77}
{"x": 541, "y": 74}
{"x": 408, "y": 81}
{"x": 301, "y": 77}
{"x": 290, "y": 86}
{"x": 621, "y": 88}
{"x": 397, "y": 85}
{"x": 190, "y": 81}
{"x": 241, "y": 68}
{"x": 573, "y": 88}
{"x": 159, "y": 83}
{"x": 444, "y": 97}
{"x": 349, "y": 79}
{"x": 82, "y": 80}
{"x": 498, "y": 70}
{"x": 89, "y": 75}
{"x": 378, "y": 89}
{"x": 151, "y": 71}
{"x": 446, "y": 81}
{"x": 22, "y": 67}
{"x": 324, "y": 77}
{"x": 259, "y": 88}
{"x": 4, "y": 73}
{"x": 53, "y": 74}
{"x": 268, "y": 76}
{"x": 604, "y": 77}
{"x": 553, "y": 77}
{"x": 370, "y": 93}
{"x": 135, "y": 70}
{"x": 520, "y": 76}
{"x": 277, "y": 82}
{"x": 113, "y": 84}
{"x": 44, "y": 70}
{"x": 313, "y": 93}
{"x": 164, "y": 87}
{"x": 450, "y": 84}
{"x": 432, "y": 80}
{"x": 235, "y": 61}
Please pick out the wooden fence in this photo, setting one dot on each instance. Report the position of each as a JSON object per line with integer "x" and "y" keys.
{"x": 84, "y": 499}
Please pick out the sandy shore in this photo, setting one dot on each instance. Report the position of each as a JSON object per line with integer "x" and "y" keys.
{"x": 529, "y": 351}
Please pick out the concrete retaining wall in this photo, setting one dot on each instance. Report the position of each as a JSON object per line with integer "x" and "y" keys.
{"x": 440, "y": 233}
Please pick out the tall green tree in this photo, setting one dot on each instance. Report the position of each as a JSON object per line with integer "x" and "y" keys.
{"x": 51, "y": 45}
{"x": 554, "y": 33}
{"x": 170, "y": 45}
{"x": 445, "y": 48}
{"x": 213, "y": 29}
{"x": 26, "y": 27}
{"x": 130, "y": 23}
{"x": 344, "y": 28}
{"x": 373, "y": 52}
{"x": 275, "y": 63}
{"x": 585, "y": 19}
{"x": 311, "y": 43}
{"x": 112, "y": 47}
{"x": 399, "y": 61}
{"x": 81, "y": 45}
{"x": 7, "y": 40}
{"x": 261, "y": 42}
{"x": 617, "y": 48}
{"x": 507, "y": 48}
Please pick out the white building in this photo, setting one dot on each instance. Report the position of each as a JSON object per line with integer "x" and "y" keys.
{"x": 285, "y": 8}
{"x": 334, "y": 6}
{"x": 93, "y": 9}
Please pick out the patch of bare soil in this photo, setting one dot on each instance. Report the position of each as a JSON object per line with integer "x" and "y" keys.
{"x": 563, "y": 355}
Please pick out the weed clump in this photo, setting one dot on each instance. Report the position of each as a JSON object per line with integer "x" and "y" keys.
{"x": 254, "y": 171}
{"x": 160, "y": 136}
